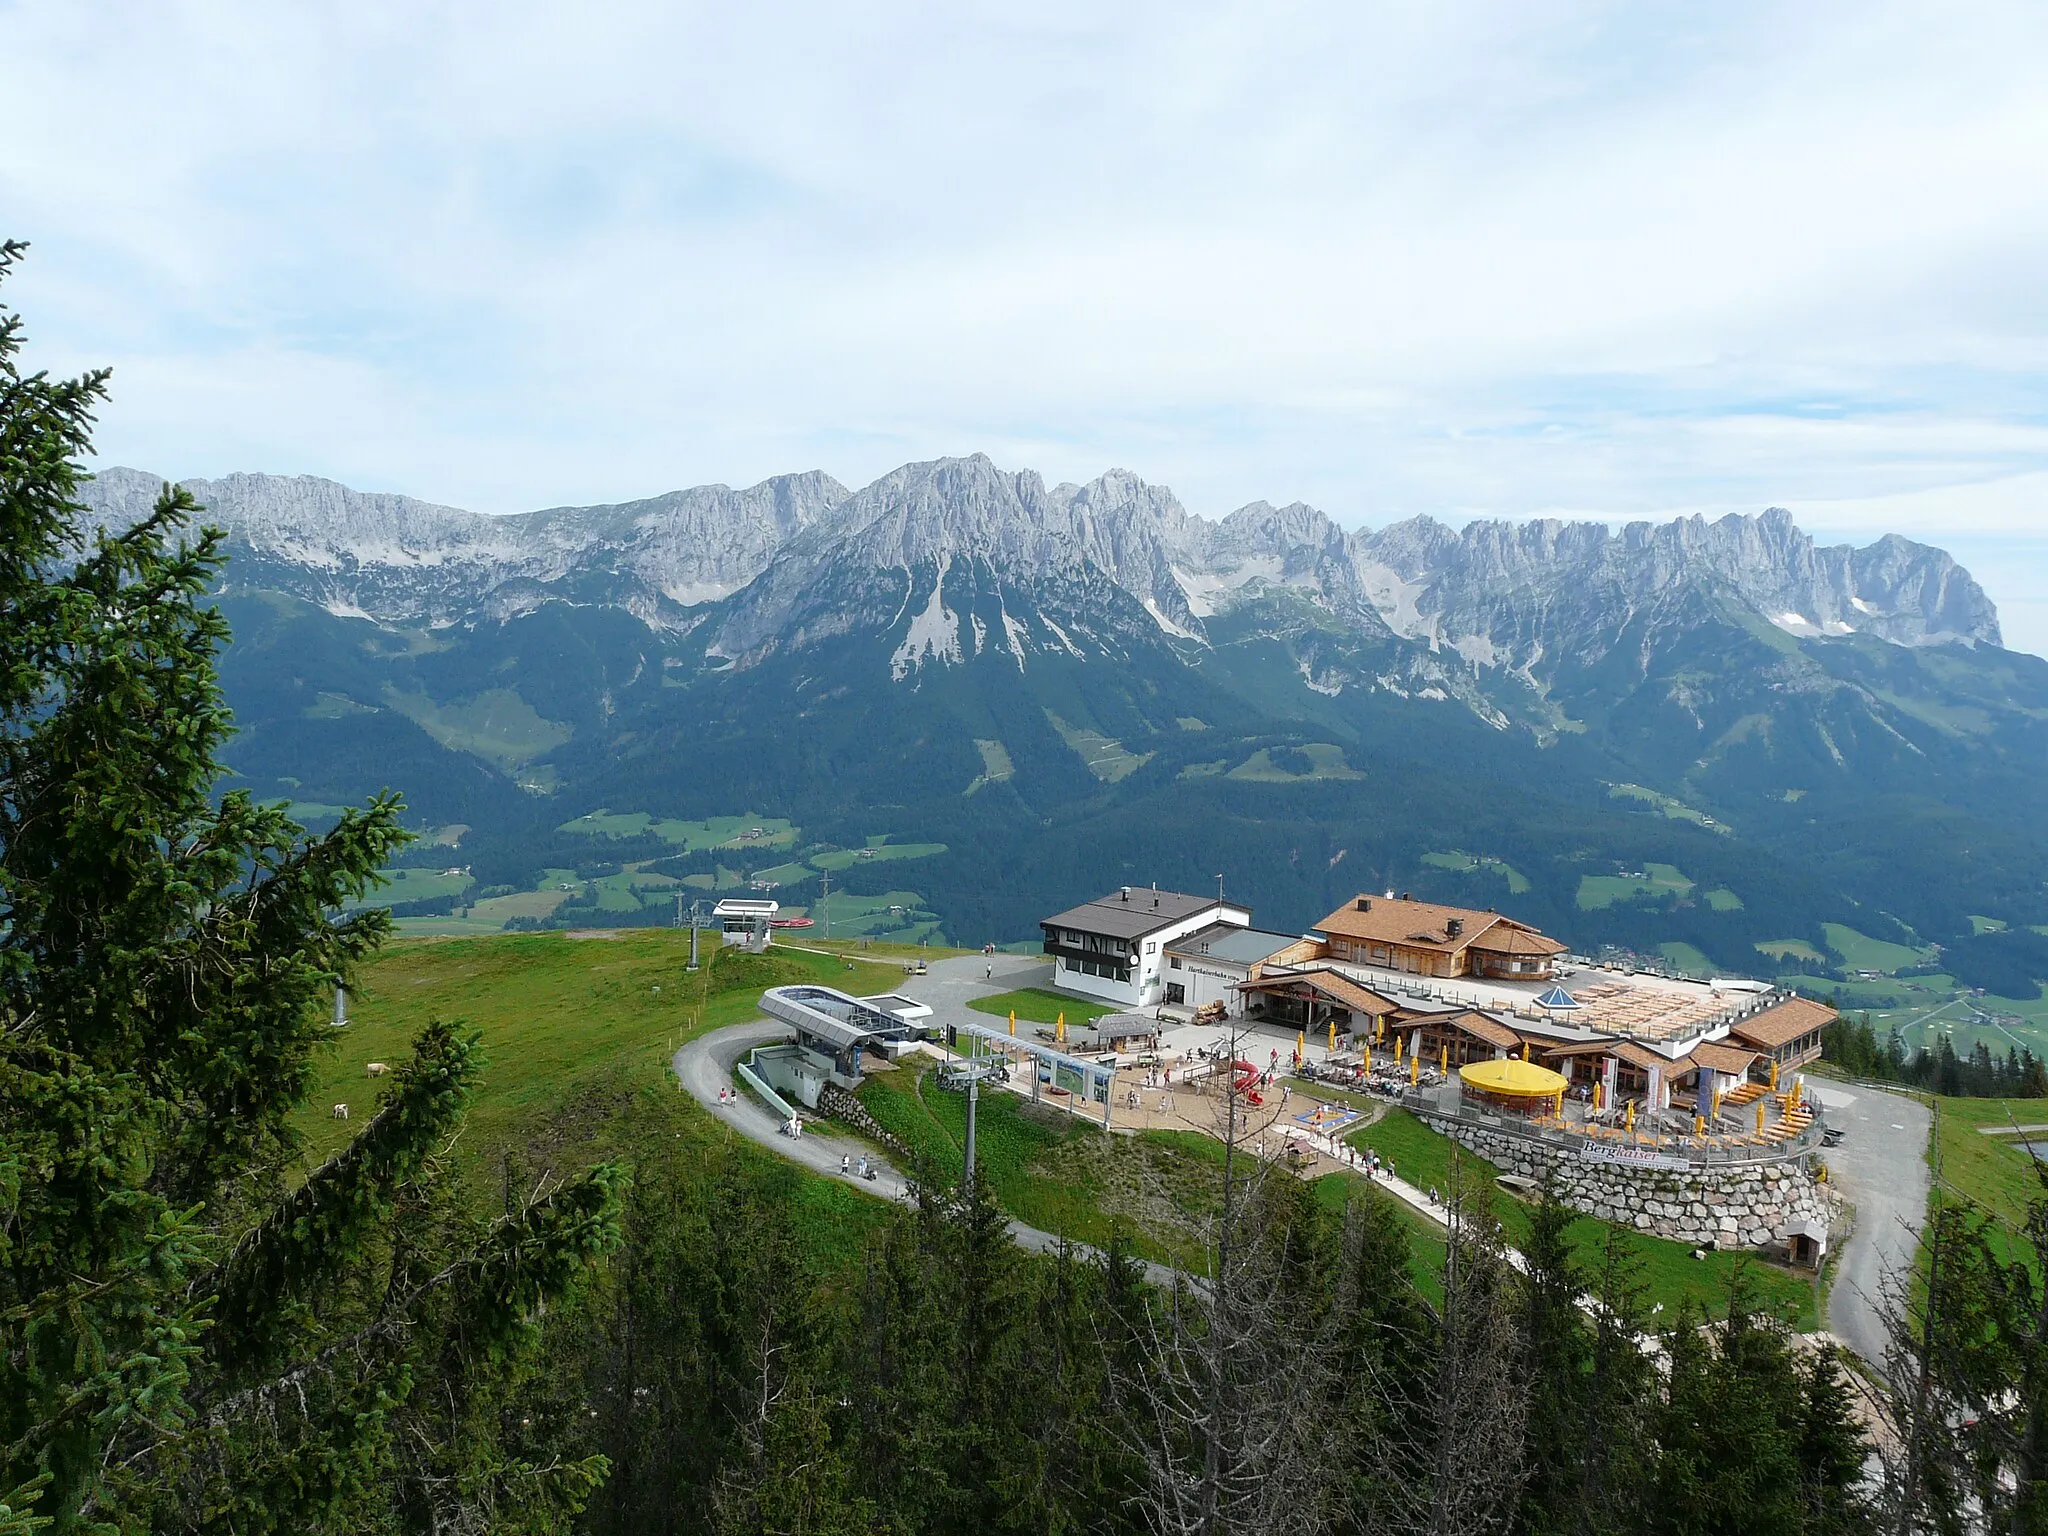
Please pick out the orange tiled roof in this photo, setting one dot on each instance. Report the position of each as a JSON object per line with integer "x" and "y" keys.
{"x": 1336, "y": 987}
{"x": 1786, "y": 1021}
{"x": 1385, "y": 920}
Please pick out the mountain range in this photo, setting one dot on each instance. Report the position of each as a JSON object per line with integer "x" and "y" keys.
{"x": 1050, "y": 690}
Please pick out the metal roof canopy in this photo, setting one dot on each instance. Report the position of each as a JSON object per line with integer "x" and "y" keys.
{"x": 832, "y": 1016}
{"x": 1089, "y": 1070}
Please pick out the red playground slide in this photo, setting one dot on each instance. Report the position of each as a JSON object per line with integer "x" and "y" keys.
{"x": 1247, "y": 1074}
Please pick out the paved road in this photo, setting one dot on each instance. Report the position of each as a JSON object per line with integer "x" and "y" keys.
{"x": 1882, "y": 1167}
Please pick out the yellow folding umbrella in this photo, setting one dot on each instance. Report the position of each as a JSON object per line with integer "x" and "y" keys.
{"x": 1414, "y": 1068}
{"x": 1059, "y": 1029}
{"x": 1333, "y": 1034}
{"x": 1759, "y": 1117}
{"x": 1397, "y": 1049}
{"x": 1629, "y": 1122}
{"x": 1525, "y": 1050}
{"x": 1013, "y": 1021}
{"x": 1368, "y": 1059}
{"x": 1774, "y": 1077}
{"x": 1443, "y": 1058}
{"x": 1301, "y": 1041}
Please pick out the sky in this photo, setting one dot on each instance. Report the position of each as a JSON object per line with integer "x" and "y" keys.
{"x": 1615, "y": 261}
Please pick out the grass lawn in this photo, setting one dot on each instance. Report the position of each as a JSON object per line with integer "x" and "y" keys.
{"x": 1040, "y": 1006}
{"x": 1990, "y": 1172}
{"x": 1048, "y": 1168}
{"x": 1670, "y": 1273}
{"x": 1721, "y": 899}
{"x": 557, "y": 1015}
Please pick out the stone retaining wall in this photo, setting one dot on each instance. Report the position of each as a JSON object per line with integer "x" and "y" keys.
{"x": 1745, "y": 1205}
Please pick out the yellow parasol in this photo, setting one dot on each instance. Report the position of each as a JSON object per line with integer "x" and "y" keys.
{"x": 1629, "y": 1120}
{"x": 1512, "y": 1079}
{"x": 1368, "y": 1058}
{"x": 1774, "y": 1077}
{"x": 1301, "y": 1041}
{"x": 1059, "y": 1029}
{"x": 1333, "y": 1034}
{"x": 1414, "y": 1068}
{"x": 1397, "y": 1048}
{"x": 1759, "y": 1117}
{"x": 1443, "y": 1058}
{"x": 1013, "y": 1021}
{"x": 1525, "y": 1050}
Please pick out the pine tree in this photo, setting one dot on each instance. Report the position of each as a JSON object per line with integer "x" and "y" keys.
{"x": 184, "y": 1339}
{"x": 1831, "y": 1448}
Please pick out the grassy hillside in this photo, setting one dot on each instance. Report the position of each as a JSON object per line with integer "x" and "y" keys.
{"x": 1992, "y": 1173}
{"x": 1671, "y": 1275}
{"x": 562, "y": 1019}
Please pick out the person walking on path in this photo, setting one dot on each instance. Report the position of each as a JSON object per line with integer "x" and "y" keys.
{"x": 844, "y": 1163}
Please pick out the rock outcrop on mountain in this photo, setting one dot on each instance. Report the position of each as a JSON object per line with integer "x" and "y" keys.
{"x": 1513, "y": 592}
{"x": 397, "y": 560}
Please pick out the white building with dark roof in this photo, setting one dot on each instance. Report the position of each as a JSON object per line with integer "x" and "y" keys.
{"x": 1112, "y": 949}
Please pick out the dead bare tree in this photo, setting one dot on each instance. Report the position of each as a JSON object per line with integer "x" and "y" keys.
{"x": 1446, "y": 1458}
{"x": 1224, "y": 1387}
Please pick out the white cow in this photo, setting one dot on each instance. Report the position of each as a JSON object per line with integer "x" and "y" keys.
{"x": 341, "y": 1111}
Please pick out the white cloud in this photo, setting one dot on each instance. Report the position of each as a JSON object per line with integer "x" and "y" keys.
{"x": 1473, "y": 258}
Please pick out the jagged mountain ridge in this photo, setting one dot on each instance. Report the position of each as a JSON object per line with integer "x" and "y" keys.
{"x": 1517, "y": 596}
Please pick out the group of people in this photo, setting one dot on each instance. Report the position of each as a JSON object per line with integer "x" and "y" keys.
{"x": 867, "y": 1168}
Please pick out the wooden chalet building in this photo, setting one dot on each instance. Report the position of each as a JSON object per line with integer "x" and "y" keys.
{"x": 1786, "y": 1033}
{"x": 1424, "y": 939}
{"x": 1314, "y": 999}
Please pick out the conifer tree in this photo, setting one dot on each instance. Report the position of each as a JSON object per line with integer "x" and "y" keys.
{"x": 186, "y": 1338}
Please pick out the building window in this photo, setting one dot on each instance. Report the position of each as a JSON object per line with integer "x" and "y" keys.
{"x": 1151, "y": 946}
{"x": 1174, "y": 961}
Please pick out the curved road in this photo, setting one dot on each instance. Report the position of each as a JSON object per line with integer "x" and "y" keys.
{"x": 1881, "y": 1167}
{"x": 706, "y": 1065}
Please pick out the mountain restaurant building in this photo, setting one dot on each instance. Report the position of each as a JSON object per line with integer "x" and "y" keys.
{"x": 1113, "y": 948}
{"x": 1424, "y": 939}
{"x": 1212, "y": 965}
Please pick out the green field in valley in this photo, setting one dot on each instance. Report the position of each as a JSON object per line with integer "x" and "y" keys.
{"x": 1477, "y": 863}
{"x": 1652, "y": 880}
{"x": 1295, "y": 765}
{"x": 1664, "y": 804}
{"x": 1109, "y": 760}
{"x": 1860, "y": 952}
{"x": 1685, "y": 959}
